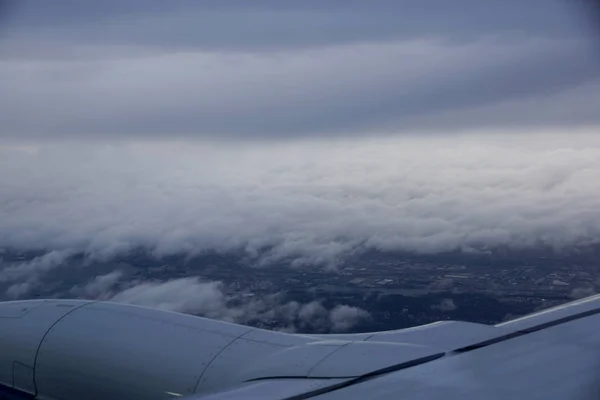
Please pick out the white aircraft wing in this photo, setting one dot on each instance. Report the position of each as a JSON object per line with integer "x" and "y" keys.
{"x": 73, "y": 350}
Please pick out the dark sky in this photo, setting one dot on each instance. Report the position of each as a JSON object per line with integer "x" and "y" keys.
{"x": 273, "y": 69}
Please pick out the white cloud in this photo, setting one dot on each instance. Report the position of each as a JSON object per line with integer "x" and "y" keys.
{"x": 581, "y": 292}
{"x": 100, "y": 287}
{"x": 18, "y": 290}
{"x": 35, "y": 266}
{"x": 445, "y": 305}
{"x": 310, "y": 202}
{"x": 186, "y": 295}
{"x": 23, "y": 277}
{"x": 190, "y": 295}
{"x": 344, "y": 317}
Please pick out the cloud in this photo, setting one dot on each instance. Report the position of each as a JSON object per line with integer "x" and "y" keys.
{"x": 275, "y": 25}
{"x": 185, "y": 295}
{"x": 208, "y": 299}
{"x": 100, "y": 287}
{"x": 19, "y": 290}
{"x": 36, "y": 265}
{"x": 313, "y": 313}
{"x": 267, "y": 71}
{"x": 446, "y": 305}
{"x": 581, "y": 292}
{"x": 21, "y": 278}
{"x": 344, "y": 317}
{"x": 307, "y": 203}
{"x": 320, "y": 92}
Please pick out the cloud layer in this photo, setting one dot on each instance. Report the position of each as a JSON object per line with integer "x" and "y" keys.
{"x": 266, "y": 70}
{"x": 303, "y": 202}
{"x": 273, "y": 25}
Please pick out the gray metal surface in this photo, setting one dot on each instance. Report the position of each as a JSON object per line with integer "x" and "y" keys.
{"x": 359, "y": 358}
{"x": 23, "y": 325}
{"x": 69, "y": 350}
{"x": 552, "y": 315}
{"x": 297, "y": 361}
{"x": 273, "y": 389}
{"x": 558, "y": 362}
{"x": 443, "y": 335}
{"x": 107, "y": 355}
{"x": 239, "y": 355}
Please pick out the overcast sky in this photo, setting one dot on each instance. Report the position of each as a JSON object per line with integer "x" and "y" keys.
{"x": 249, "y": 70}
{"x": 333, "y": 73}
{"x": 306, "y": 132}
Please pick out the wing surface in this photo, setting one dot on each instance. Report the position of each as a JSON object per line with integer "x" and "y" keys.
{"x": 553, "y": 354}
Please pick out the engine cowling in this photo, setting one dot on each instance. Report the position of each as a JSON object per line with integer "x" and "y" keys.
{"x": 74, "y": 349}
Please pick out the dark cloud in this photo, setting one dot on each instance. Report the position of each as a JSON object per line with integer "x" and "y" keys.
{"x": 349, "y": 90}
{"x": 275, "y": 24}
{"x": 279, "y": 70}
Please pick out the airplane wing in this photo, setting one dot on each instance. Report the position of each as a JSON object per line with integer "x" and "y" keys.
{"x": 75, "y": 349}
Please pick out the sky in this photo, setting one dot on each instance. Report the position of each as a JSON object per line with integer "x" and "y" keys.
{"x": 300, "y": 133}
{"x": 271, "y": 70}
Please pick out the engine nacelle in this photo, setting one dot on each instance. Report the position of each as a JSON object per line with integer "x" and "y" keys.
{"x": 75, "y": 349}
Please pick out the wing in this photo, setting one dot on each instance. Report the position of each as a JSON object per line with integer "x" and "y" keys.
{"x": 69, "y": 349}
{"x": 553, "y": 354}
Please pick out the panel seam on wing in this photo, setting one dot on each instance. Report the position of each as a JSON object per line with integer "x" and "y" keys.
{"x": 235, "y": 339}
{"x": 366, "y": 377}
{"x": 526, "y": 331}
{"x": 37, "y": 351}
{"x": 325, "y": 358}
